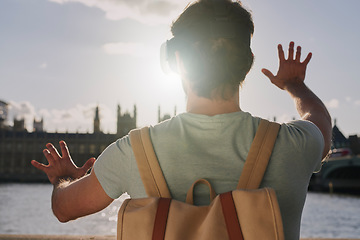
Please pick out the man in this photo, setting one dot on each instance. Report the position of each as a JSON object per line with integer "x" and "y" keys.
{"x": 211, "y": 140}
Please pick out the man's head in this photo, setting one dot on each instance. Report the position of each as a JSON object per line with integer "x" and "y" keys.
{"x": 212, "y": 38}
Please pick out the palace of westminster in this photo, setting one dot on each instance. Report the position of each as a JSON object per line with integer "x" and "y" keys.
{"x": 19, "y": 146}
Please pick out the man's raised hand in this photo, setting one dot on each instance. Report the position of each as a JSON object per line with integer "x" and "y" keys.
{"x": 291, "y": 70}
{"x": 61, "y": 167}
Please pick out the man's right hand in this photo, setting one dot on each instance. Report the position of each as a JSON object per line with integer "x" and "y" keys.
{"x": 61, "y": 167}
{"x": 72, "y": 199}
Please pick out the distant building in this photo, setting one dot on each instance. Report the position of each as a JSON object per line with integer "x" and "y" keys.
{"x": 18, "y": 146}
{"x": 165, "y": 116}
{"x": 19, "y": 125}
{"x": 97, "y": 121}
{"x": 338, "y": 138}
{"x": 340, "y": 141}
{"x": 3, "y": 114}
{"x": 354, "y": 144}
{"x": 125, "y": 122}
{"x": 38, "y": 126}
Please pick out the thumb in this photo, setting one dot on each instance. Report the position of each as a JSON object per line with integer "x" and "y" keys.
{"x": 268, "y": 73}
{"x": 89, "y": 163}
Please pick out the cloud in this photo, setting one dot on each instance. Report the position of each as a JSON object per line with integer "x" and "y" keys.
{"x": 145, "y": 11}
{"x": 21, "y": 110}
{"x": 75, "y": 119}
{"x": 123, "y": 48}
{"x": 333, "y": 103}
{"x": 350, "y": 101}
{"x": 162, "y": 8}
{"x": 44, "y": 65}
{"x": 78, "y": 119}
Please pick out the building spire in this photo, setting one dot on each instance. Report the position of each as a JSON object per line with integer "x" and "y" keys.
{"x": 97, "y": 120}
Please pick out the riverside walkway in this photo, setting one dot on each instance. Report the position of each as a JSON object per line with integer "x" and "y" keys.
{"x": 78, "y": 237}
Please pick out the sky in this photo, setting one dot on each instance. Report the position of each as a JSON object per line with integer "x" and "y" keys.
{"x": 59, "y": 59}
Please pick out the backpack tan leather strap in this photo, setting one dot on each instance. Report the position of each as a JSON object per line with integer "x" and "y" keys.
{"x": 147, "y": 162}
{"x": 259, "y": 155}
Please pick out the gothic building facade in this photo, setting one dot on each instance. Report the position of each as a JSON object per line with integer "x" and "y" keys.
{"x": 340, "y": 141}
{"x": 125, "y": 122}
{"x": 18, "y": 146}
{"x": 3, "y": 114}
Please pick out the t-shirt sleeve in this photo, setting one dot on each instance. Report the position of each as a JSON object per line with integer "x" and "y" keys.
{"x": 113, "y": 167}
{"x": 310, "y": 142}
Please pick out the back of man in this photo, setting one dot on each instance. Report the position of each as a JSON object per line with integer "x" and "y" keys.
{"x": 211, "y": 52}
{"x": 193, "y": 146}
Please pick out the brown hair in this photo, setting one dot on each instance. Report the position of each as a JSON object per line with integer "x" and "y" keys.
{"x": 214, "y": 64}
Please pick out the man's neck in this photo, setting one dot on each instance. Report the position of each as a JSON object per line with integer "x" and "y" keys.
{"x": 211, "y": 107}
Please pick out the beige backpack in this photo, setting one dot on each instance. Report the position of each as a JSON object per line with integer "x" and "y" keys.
{"x": 245, "y": 213}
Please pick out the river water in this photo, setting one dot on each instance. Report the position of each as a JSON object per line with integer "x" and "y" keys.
{"x": 25, "y": 209}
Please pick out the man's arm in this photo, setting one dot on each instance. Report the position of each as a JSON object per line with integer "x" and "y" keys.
{"x": 290, "y": 77}
{"x": 75, "y": 194}
{"x": 311, "y": 108}
{"x": 71, "y": 200}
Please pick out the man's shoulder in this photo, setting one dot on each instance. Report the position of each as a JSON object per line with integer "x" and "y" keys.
{"x": 302, "y": 129}
{"x": 300, "y": 140}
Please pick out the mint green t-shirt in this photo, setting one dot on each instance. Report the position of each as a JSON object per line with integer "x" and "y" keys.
{"x": 191, "y": 146}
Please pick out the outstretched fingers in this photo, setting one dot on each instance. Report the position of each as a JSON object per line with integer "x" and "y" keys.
{"x": 61, "y": 166}
{"x": 291, "y": 51}
{"x": 281, "y": 53}
{"x": 64, "y": 149}
{"x": 267, "y": 73}
{"x": 53, "y": 152}
{"x": 49, "y": 157}
{"x": 298, "y": 54}
{"x": 89, "y": 163}
{"x": 39, "y": 166}
{"x": 307, "y": 59}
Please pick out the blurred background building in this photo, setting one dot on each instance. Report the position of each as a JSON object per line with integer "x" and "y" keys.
{"x": 18, "y": 146}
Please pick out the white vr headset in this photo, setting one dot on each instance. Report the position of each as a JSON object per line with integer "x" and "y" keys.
{"x": 167, "y": 58}
{"x": 218, "y": 27}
